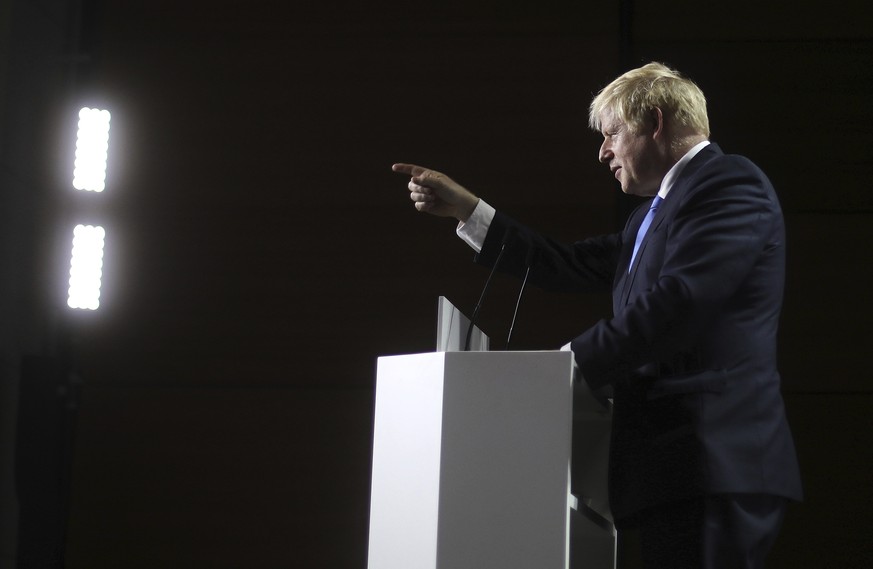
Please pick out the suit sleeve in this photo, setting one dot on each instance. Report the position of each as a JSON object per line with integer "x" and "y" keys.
{"x": 584, "y": 266}
{"x": 722, "y": 228}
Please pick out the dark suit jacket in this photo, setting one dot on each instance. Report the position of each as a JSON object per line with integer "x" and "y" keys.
{"x": 691, "y": 348}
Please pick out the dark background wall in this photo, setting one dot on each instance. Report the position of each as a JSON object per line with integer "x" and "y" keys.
{"x": 261, "y": 255}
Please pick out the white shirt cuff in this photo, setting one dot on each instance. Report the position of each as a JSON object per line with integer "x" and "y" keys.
{"x": 474, "y": 230}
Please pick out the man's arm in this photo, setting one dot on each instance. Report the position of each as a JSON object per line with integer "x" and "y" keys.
{"x": 588, "y": 265}
{"x": 583, "y": 266}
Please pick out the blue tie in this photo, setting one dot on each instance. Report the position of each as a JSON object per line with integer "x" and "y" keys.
{"x": 647, "y": 221}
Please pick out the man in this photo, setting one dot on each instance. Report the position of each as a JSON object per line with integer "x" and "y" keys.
{"x": 701, "y": 457}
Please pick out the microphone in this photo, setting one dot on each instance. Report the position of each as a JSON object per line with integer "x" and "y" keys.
{"x": 507, "y": 237}
{"x": 529, "y": 261}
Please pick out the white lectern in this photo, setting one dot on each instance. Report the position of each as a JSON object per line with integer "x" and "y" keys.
{"x": 471, "y": 465}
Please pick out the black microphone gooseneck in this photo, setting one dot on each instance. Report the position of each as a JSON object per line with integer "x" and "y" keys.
{"x": 529, "y": 262}
{"x": 507, "y": 237}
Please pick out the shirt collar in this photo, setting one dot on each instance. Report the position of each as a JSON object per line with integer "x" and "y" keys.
{"x": 673, "y": 174}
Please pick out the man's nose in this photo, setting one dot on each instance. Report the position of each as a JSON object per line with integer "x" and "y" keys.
{"x": 605, "y": 154}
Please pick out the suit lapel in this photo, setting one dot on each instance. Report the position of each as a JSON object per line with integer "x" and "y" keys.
{"x": 624, "y": 277}
{"x": 660, "y": 215}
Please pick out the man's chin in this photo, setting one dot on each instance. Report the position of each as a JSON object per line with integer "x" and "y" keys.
{"x": 637, "y": 191}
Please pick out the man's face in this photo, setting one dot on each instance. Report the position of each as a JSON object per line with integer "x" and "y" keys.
{"x": 636, "y": 159}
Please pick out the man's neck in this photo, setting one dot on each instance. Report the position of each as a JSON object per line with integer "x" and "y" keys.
{"x": 681, "y": 146}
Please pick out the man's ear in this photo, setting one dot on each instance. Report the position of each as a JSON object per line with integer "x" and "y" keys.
{"x": 657, "y": 123}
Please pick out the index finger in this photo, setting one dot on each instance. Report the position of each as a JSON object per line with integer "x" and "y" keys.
{"x": 410, "y": 169}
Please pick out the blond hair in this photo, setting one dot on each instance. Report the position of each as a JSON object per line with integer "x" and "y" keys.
{"x": 634, "y": 95}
